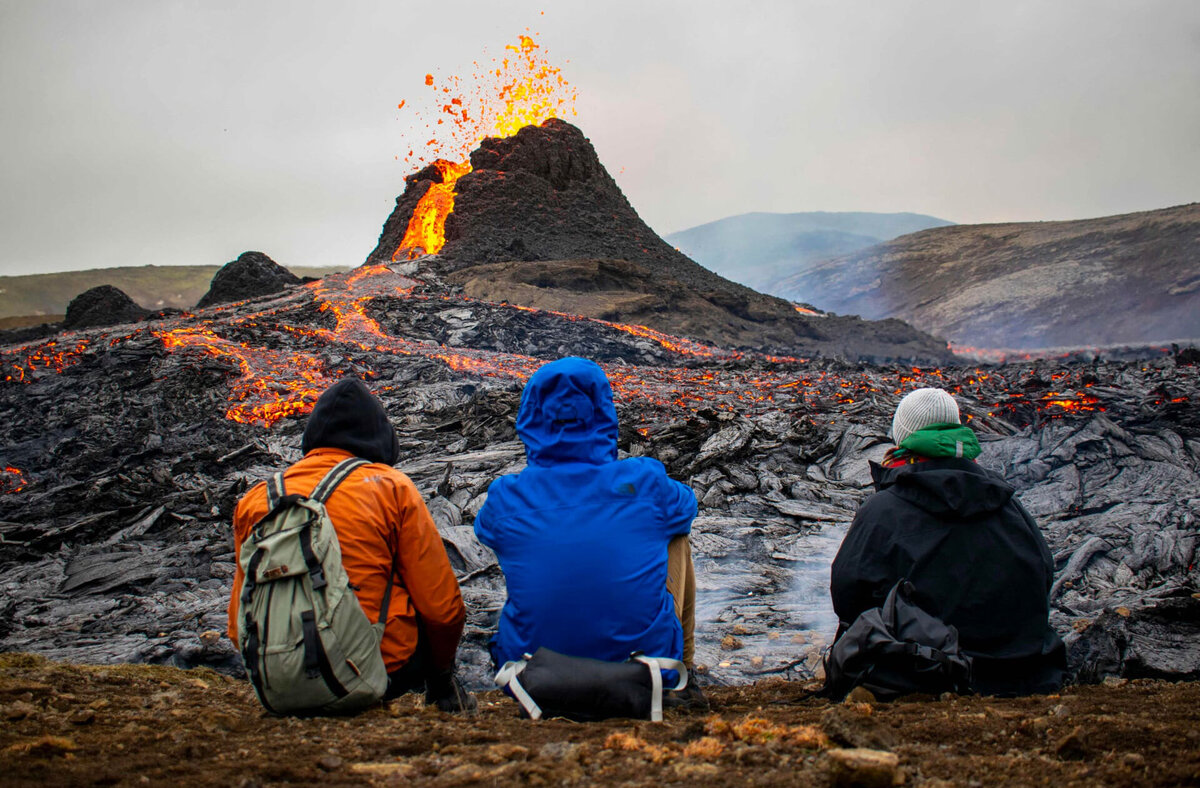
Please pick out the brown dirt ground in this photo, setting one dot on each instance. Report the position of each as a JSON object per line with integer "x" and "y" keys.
{"x": 138, "y": 724}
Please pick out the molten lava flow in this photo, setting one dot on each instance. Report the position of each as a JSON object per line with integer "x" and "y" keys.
{"x": 426, "y": 233}
{"x": 11, "y": 480}
{"x": 272, "y": 383}
{"x": 680, "y": 345}
{"x": 517, "y": 91}
{"x": 48, "y": 356}
{"x": 1080, "y": 402}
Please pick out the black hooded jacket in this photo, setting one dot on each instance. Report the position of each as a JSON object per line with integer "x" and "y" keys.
{"x": 976, "y": 558}
{"x": 348, "y": 416}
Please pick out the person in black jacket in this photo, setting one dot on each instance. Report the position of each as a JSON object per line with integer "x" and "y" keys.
{"x": 973, "y": 553}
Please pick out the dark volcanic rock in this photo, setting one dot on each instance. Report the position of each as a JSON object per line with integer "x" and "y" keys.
{"x": 540, "y": 203}
{"x": 102, "y": 306}
{"x": 543, "y": 194}
{"x": 18, "y": 336}
{"x": 627, "y": 292}
{"x": 120, "y": 469}
{"x": 252, "y": 274}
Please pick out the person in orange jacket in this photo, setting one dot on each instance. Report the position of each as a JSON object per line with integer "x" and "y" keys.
{"x": 383, "y": 526}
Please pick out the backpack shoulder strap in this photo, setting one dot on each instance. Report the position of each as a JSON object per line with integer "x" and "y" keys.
{"x": 275, "y": 491}
{"x": 387, "y": 596}
{"x": 335, "y": 477}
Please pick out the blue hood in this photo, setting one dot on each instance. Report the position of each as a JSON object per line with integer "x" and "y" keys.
{"x": 567, "y": 414}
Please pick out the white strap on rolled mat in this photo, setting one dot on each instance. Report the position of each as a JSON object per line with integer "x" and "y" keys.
{"x": 657, "y": 665}
{"x": 507, "y": 677}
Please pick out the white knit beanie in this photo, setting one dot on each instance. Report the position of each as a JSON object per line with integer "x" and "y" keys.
{"x": 921, "y": 408}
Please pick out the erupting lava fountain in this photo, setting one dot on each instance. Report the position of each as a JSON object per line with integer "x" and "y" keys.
{"x": 518, "y": 90}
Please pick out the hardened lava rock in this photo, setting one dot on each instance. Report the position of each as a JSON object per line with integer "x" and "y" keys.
{"x": 252, "y": 274}
{"x": 121, "y": 463}
{"x": 102, "y": 306}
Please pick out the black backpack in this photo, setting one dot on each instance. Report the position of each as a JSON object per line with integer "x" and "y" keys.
{"x": 550, "y": 684}
{"x": 897, "y": 649}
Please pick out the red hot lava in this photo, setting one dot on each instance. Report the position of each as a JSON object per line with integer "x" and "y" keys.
{"x": 11, "y": 480}
{"x": 270, "y": 384}
{"x": 49, "y": 356}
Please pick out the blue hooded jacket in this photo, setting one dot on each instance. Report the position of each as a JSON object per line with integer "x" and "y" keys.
{"x": 582, "y": 537}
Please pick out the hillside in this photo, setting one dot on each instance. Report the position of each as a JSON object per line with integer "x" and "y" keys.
{"x": 1133, "y": 278}
{"x": 756, "y": 249}
{"x": 151, "y": 286}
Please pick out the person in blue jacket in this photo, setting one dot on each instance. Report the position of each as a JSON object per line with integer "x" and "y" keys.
{"x": 585, "y": 539}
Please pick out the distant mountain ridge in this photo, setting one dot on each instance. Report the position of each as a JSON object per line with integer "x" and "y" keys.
{"x": 1132, "y": 278}
{"x": 757, "y": 249}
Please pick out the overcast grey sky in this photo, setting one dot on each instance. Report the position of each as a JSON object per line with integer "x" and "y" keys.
{"x": 173, "y": 132}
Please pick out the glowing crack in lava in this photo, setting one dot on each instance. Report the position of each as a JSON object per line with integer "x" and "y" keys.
{"x": 680, "y": 345}
{"x": 515, "y": 91}
{"x": 11, "y": 480}
{"x": 50, "y": 356}
{"x": 279, "y": 362}
{"x": 1078, "y": 402}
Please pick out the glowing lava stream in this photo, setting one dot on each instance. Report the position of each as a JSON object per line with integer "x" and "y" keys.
{"x": 681, "y": 345}
{"x": 426, "y": 233}
{"x": 271, "y": 384}
{"x": 11, "y": 480}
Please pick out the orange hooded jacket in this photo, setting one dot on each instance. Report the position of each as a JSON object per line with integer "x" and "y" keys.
{"x": 378, "y": 514}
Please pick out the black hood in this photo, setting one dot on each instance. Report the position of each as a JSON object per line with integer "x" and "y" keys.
{"x": 349, "y": 417}
{"x": 945, "y": 486}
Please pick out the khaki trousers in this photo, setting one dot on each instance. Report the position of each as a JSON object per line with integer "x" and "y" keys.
{"x": 681, "y": 583}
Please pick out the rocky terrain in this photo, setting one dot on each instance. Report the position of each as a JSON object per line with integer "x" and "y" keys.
{"x": 1126, "y": 279}
{"x": 137, "y": 724}
{"x": 126, "y": 448}
{"x": 251, "y": 274}
{"x": 541, "y": 201}
{"x": 102, "y": 306}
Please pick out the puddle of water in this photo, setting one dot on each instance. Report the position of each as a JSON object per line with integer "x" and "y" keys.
{"x": 773, "y": 617}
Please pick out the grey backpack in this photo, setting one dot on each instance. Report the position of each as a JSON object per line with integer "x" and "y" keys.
{"x": 307, "y": 645}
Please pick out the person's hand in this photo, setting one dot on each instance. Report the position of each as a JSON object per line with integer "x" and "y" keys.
{"x": 445, "y": 692}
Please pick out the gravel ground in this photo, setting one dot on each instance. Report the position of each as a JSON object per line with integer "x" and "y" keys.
{"x": 64, "y": 724}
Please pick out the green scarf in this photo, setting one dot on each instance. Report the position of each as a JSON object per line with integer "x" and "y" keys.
{"x": 942, "y": 440}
